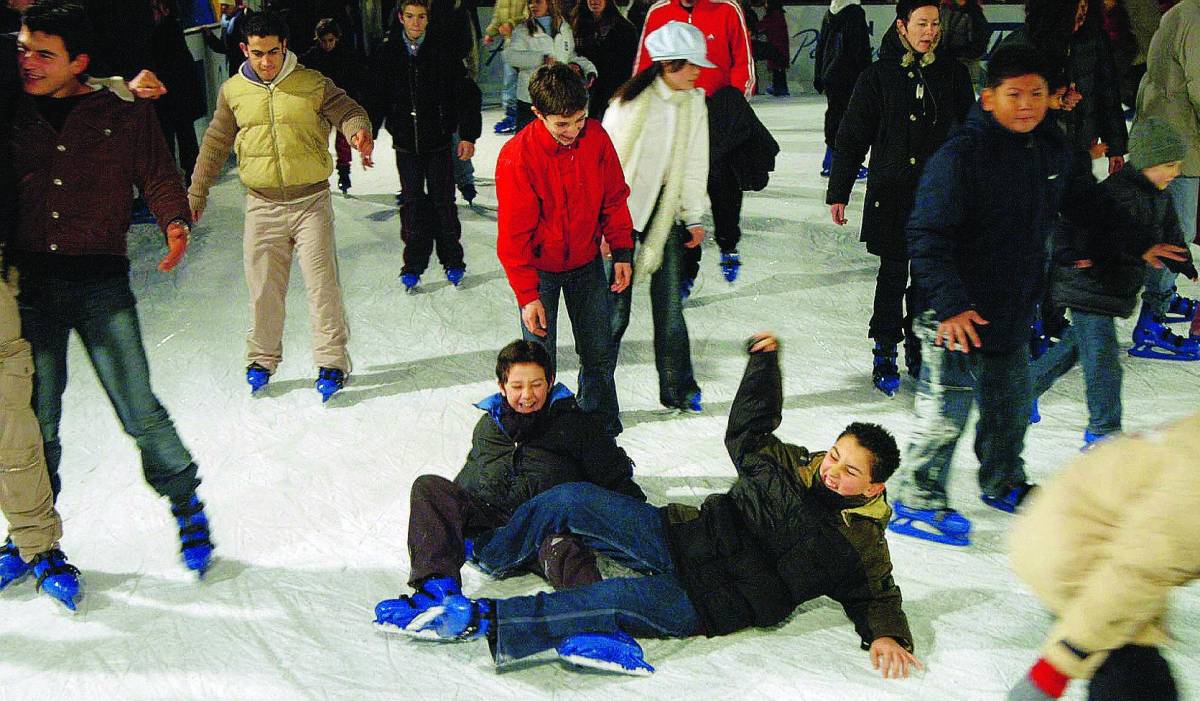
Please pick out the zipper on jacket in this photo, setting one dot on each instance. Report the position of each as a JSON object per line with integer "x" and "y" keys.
{"x": 275, "y": 139}
{"x": 413, "y": 71}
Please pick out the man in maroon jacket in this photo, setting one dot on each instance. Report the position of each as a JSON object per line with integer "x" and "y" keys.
{"x": 561, "y": 189}
{"x": 724, "y": 27}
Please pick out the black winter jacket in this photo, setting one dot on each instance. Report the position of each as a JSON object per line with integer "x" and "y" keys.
{"x": 343, "y": 66}
{"x": 569, "y": 447}
{"x": 1088, "y": 64}
{"x": 843, "y": 49}
{"x": 779, "y": 537}
{"x": 423, "y": 99}
{"x": 965, "y": 32}
{"x": 902, "y": 114}
{"x": 612, "y": 45}
{"x": 736, "y": 137}
{"x": 978, "y": 235}
{"x": 1117, "y": 221}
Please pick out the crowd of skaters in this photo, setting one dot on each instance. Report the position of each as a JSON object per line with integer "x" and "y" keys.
{"x": 976, "y": 289}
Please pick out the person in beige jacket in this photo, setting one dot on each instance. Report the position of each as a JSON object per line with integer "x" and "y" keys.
{"x": 1104, "y": 545}
{"x": 276, "y": 115}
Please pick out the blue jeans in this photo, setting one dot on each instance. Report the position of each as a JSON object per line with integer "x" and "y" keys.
{"x": 508, "y": 93}
{"x": 104, "y": 314}
{"x": 1160, "y": 282}
{"x": 625, "y": 529}
{"x": 1090, "y": 340}
{"x": 672, "y": 348}
{"x": 949, "y": 383}
{"x": 589, "y": 304}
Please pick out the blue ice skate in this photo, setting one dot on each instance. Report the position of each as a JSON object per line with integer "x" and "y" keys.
{"x": 410, "y": 282}
{"x": 730, "y": 263}
{"x": 257, "y": 377}
{"x": 12, "y": 567}
{"x": 695, "y": 402}
{"x": 826, "y": 162}
{"x": 329, "y": 382}
{"x": 56, "y": 578}
{"x": 885, "y": 374}
{"x": 945, "y": 526}
{"x": 685, "y": 288}
{"x": 457, "y": 619}
{"x": 1011, "y": 501}
{"x": 1091, "y": 440}
{"x": 396, "y": 614}
{"x": 455, "y": 275}
{"x": 611, "y": 652}
{"x": 195, "y": 544}
{"x": 508, "y": 125}
{"x": 1035, "y": 416}
{"x": 1180, "y": 309}
{"x": 1152, "y": 339}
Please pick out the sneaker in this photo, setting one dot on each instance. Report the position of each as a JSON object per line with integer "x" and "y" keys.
{"x": 329, "y": 382}
{"x": 508, "y": 125}
{"x": 410, "y": 281}
{"x": 1011, "y": 501}
{"x": 611, "y": 652}
{"x": 1152, "y": 339}
{"x": 12, "y": 567}
{"x": 195, "y": 544}
{"x": 399, "y": 613}
{"x": 456, "y": 619}
{"x": 55, "y": 577}
{"x": 885, "y": 375}
{"x": 685, "y": 288}
{"x": 455, "y": 275}
{"x": 730, "y": 262}
{"x": 257, "y": 377}
{"x": 1180, "y": 309}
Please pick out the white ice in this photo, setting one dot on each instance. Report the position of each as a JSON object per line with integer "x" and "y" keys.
{"x": 309, "y": 503}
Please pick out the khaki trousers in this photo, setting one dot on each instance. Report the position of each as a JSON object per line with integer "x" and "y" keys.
{"x": 273, "y": 232}
{"x": 25, "y": 496}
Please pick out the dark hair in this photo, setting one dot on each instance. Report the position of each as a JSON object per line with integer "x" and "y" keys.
{"x": 265, "y": 24}
{"x": 1014, "y": 61}
{"x": 583, "y": 22}
{"x": 556, "y": 18}
{"x": 401, "y": 4}
{"x": 905, "y": 8}
{"x": 65, "y": 20}
{"x": 522, "y": 351}
{"x": 1049, "y": 25}
{"x": 633, "y": 87}
{"x": 557, "y": 89}
{"x": 327, "y": 26}
{"x": 881, "y": 444}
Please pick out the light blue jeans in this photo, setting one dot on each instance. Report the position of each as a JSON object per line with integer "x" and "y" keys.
{"x": 1160, "y": 282}
{"x": 1091, "y": 341}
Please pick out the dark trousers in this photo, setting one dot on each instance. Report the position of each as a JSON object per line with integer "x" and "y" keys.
{"x": 725, "y": 195}
{"x": 428, "y": 215}
{"x": 441, "y": 514}
{"x": 181, "y": 132}
{"x": 1133, "y": 672}
{"x": 589, "y": 304}
{"x": 342, "y": 148}
{"x": 104, "y": 314}
{"x": 524, "y": 114}
{"x": 837, "y": 100}
{"x": 889, "y": 323}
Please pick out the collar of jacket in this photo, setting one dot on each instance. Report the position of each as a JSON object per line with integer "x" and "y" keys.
{"x": 909, "y": 56}
{"x": 667, "y": 93}
{"x": 838, "y": 5}
{"x": 875, "y": 508}
{"x": 1133, "y": 173}
{"x": 289, "y": 64}
{"x": 981, "y": 120}
{"x": 542, "y": 136}
{"x": 493, "y": 403}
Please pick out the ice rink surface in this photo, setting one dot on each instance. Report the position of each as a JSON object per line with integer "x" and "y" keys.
{"x": 309, "y": 503}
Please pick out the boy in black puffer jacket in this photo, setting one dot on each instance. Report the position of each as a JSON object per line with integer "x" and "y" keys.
{"x": 1100, "y": 264}
{"x": 794, "y": 526}
{"x": 531, "y": 437}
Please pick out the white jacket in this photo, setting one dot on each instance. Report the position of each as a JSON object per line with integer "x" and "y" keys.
{"x": 649, "y": 121}
{"x": 525, "y": 53}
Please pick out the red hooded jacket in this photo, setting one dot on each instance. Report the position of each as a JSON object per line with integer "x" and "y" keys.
{"x": 556, "y": 202}
{"x": 724, "y": 26}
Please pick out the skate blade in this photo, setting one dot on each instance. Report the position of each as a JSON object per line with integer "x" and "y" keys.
{"x": 606, "y": 666}
{"x": 909, "y": 527}
{"x": 392, "y": 630}
{"x": 1157, "y": 353}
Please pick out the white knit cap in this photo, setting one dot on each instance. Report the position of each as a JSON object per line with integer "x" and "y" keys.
{"x": 679, "y": 40}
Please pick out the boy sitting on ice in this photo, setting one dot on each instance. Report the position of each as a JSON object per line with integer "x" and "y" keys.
{"x": 531, "y": 437}
{"x": 794, "y": 526}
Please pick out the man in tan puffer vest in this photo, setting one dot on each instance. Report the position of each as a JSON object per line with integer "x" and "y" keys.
{"x": 276, "y": 115}
{"x": 1104, "y": 545}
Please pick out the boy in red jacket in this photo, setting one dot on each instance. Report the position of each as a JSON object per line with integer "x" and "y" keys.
{"x": 560, "y": 190}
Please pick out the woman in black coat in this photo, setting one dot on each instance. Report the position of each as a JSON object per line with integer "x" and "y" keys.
{"x": 184, "y": 101}
{"x": 902, "y": 109}
{"x": 608, "y": 40}
{"x": 843, "y": 52}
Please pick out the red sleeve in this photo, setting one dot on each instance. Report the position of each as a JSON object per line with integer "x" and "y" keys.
{"x": 653, "y": 21}
{"x": 517, "y": 219}
{"x": 741, "y": 75}
{"x": 616, "y": 224}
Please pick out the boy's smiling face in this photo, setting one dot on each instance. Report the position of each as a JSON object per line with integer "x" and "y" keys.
{"x": 564, "y": 128}
{"x": 846, "y": 469}
{"x": 526, "y": 387}
{"x": 1019, "y": 104}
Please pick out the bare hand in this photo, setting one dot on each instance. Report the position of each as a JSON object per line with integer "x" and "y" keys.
{"x": 1164, "y": 251}
{"x": 1071, "y": 98}
{"x": 764, "y": 342}
{"x": 506, "y": 30}
{"x": 147, "y": 86}
{"x": 488, "y": 39}
{"x": 697, "y": 236}
{"x": 1115, "y": 163}
{"x": 891, "y": 659}
{"x": 533, "y": 315}
{"x": 622, "y": 274}
{"x": 958, "y": 332}
{"x": 365, "y": 145}
{"x": 837, "y": 210}
{"x": 1098, "y": 150}
{"x": 466, "y": 149}
{"x": 549, "y": 60}
{"x": 177, "y": 243}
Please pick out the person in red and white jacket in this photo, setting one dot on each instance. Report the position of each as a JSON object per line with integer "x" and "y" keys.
{"x": 728, "y": 47}
{"x": 560, "y": 191}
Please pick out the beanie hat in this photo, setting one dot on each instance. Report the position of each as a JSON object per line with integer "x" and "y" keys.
{"x": 904, "y": 8}
{"x": 679, "y": 40}
{"x": 1152, "y": 142}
